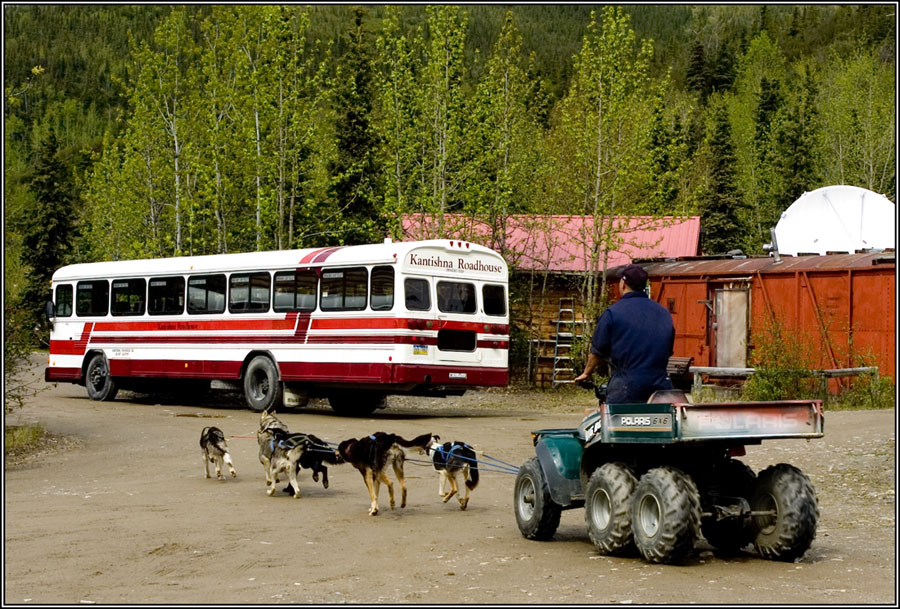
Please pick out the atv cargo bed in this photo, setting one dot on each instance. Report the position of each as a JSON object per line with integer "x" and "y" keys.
{"x": 748, "y": 422}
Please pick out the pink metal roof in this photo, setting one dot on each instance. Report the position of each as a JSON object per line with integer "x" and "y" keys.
{"x": 564, "y": 243}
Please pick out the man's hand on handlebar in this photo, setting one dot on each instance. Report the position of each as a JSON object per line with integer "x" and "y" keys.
{"x": 585, "y": 383}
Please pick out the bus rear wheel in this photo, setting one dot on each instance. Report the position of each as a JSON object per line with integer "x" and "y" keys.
{"x": 100, "y": 385}
{"x": 262, "y": 388}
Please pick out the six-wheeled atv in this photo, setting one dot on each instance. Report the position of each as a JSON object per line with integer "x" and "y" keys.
{"x": 661, "y": 474}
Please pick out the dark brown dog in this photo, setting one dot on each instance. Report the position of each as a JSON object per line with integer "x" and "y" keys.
{"x": 372, "y": 455}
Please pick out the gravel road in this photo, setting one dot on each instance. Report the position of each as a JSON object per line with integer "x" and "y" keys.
{"x": 116, "y": 509}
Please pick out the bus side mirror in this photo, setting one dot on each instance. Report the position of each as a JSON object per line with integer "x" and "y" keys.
{"x": 50, "y": 310}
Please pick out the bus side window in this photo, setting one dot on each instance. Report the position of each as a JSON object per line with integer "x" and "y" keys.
{"x": 206, "y": 294}
{"x": 128, "y": 297}
{"x": 166, "y": 296}
{"x": 494, "y": 299}
{"x": 381, "y": 293}
{"x": 249, "y": 293}
{"x": 63, "y": 301}
{"x": 344, "y": 289}
{"x": 295, "y": 290}
{"x": 418, "y": 296}
{"x": 92, "y": 298}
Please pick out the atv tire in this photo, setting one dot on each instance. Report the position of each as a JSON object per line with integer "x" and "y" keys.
{"x": 788, "y": 533}
{"x": 665, "y": 517}
{"x": 536, "y": 513}
{"x": 607, "y": 507}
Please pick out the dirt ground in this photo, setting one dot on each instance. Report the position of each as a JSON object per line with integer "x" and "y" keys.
{"x": 117, "y": 510}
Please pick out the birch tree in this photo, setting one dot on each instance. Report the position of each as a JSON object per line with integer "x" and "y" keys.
{"x": 399, "y": 120}
{"x": 502, "y": 144}
{"x": 857, "y": 102}
{"x": 162, "y": 85}
{"x": 215, "y": 115}
{"x": 443, "y": 110}
{"x": 604, "y": 126}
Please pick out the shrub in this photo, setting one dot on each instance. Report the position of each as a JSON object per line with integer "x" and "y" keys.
{"x": 868, "y": 391}
{"x": 783, "y": 361}
{"x": 16, "y": 352}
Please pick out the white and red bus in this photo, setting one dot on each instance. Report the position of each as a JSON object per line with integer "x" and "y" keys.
{"x": 352, "y": 324}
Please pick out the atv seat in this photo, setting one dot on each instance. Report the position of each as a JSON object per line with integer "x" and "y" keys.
{"x": 669, "y": 396}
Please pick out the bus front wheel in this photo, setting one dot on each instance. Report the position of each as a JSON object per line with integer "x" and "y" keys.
{"x": 100, "y": 385}
{"x": 262, "y": 388}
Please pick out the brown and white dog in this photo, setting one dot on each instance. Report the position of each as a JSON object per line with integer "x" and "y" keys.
{"x": 215, "y": 450}
{"x": 373, "y": 454}
{"x": 456, "y": 464}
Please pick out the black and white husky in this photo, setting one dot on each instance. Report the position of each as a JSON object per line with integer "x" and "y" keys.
{"x": 215, "y": 450}
{"x": 457, "y": 464}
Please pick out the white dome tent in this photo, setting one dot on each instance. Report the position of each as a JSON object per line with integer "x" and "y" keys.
{"x": 836, "y": 219}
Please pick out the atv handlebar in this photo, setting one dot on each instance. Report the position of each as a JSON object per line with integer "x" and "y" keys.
{"x": 599, "y": 390}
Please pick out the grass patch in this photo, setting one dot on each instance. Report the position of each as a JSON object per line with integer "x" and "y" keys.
{"x": 22, "y": 438}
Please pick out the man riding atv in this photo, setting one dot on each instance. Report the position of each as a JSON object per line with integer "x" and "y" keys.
{"x": 636, "y": 336}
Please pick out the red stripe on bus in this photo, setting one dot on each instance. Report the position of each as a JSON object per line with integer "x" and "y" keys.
{"x": 387, "y": 323}
{"x": 359, "y": 323}
{"x": 346, "y": 373}
{"x": 299, "y": 322}
{"x": 287, "y": 323}
{"x": 67, "y": 347}
{"x": 52, "y": 374}
{"x": 307, "y": 258}
{"x": 72, "y": 347}
{"x": 302, "y": 325}
{"x": 175, "y": 368}
{"x": 475, "y": 326}
{"x": 441, "y": 375}
{"x": 324, "y": 255}
{"x": 256, "y": 340}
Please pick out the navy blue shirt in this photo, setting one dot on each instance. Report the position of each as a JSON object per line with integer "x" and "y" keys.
{"x": 636, "y": 335}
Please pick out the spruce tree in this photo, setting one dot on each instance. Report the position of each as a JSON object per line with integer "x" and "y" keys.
{"x": 796, "y": 158}
{"x": 698, "y": 76}
{"x": 357, "y": 187}
{"x": 719, "y": 209}
{"x": 49, "y": 227}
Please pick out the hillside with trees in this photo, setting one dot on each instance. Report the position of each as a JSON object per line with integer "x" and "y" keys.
{"x": 145, "y": 131}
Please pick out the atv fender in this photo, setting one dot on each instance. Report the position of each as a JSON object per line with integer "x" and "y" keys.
{"x": 560, "y": 459}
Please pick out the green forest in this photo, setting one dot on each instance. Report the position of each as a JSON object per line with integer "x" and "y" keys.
{"x": 146, "y": 131}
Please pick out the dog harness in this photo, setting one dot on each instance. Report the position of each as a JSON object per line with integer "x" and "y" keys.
{"x": 446, "y": 454}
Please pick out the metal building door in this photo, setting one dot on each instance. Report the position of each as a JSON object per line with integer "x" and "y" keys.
{"x": 732, "y": 314}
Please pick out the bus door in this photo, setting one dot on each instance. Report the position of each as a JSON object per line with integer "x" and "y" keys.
{"x": 457, "y": 311}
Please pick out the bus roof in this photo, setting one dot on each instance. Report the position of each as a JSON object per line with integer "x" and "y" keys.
{"x": 379, "y": 253}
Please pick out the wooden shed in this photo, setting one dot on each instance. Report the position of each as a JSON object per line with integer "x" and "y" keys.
{"x": 841, "y": 304}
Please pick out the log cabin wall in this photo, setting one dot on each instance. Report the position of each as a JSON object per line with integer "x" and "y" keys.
{"x": 534, "y": 311}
